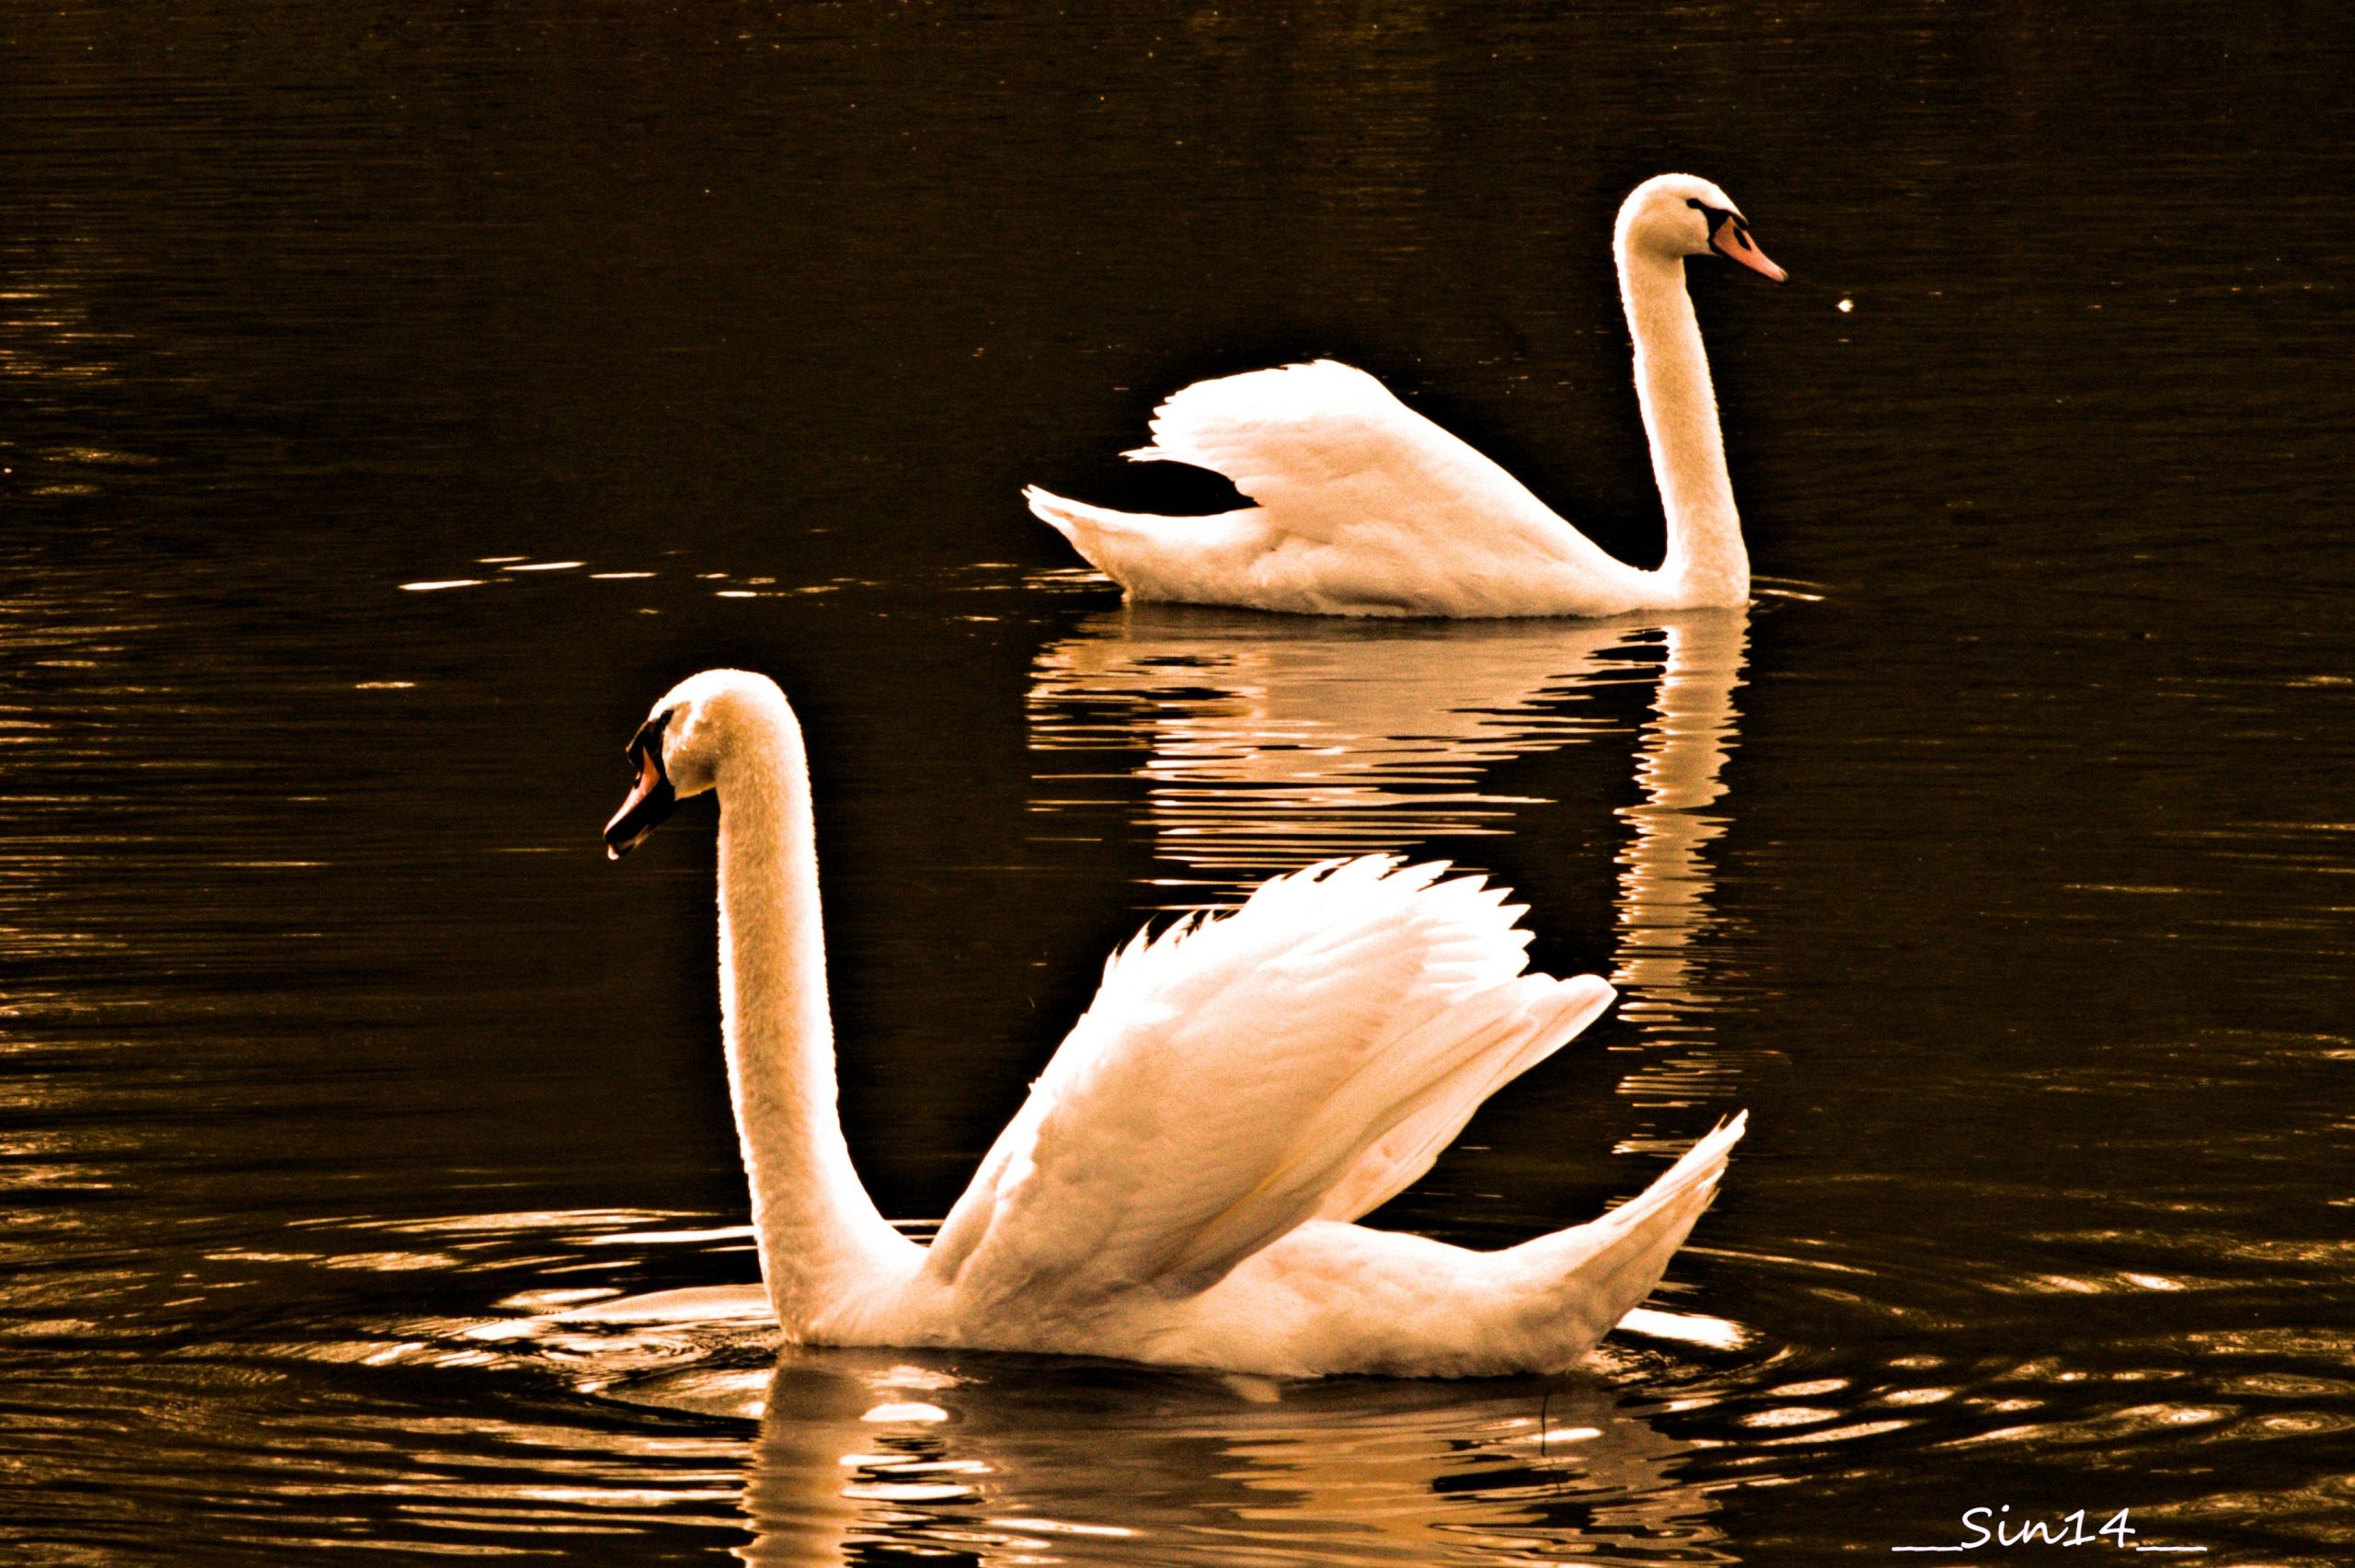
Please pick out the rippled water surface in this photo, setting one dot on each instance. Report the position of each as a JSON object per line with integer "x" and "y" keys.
{"x": 394, "y": 401}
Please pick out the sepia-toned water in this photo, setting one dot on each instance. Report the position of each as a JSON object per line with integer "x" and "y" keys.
{"x": 396, "y": 400}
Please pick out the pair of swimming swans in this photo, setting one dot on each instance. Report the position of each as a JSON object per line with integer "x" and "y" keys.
{"x": 1183, "y": 1183}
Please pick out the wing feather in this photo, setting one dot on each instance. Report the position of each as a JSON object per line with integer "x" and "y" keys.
{"x": 1304, "y": 1055}
{"x": 1327, "y": 451}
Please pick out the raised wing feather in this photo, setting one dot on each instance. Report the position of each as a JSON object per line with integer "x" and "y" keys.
{"x": 1327, "y": 451}
{"x": 1306, "y": 1055}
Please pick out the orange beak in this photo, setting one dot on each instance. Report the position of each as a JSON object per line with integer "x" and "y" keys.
{"x": 1732, "y": 241}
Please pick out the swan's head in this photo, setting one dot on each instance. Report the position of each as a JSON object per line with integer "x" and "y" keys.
{"x": 1680, "y": 215}
{"x": 677, "y": 753}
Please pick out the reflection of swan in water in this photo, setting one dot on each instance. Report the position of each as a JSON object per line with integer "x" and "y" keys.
{"x": 1664, "y": 882}
{"x": 1009, "y": 1460}
{"x": 1273, "y": 743}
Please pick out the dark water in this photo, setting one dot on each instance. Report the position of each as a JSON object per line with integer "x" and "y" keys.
{"x": 1998, "y": 860}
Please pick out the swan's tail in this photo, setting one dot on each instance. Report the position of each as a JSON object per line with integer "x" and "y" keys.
{"x": 1612, "y": 1264}
{"x": 1097, "y": 532}
{"x": 1154, "y": 556}
{"x": 1074, "y": 522}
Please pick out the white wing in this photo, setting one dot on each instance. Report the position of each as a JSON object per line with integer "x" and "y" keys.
{"x": 1327, "y": 451}
{"x": 1307, "y": 1055}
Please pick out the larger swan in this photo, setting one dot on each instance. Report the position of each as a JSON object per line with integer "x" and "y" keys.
{"x": 1180, "y": 1184}
{"x": 1365, "y": 508}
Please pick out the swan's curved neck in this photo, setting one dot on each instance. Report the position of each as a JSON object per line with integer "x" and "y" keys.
{"x": 819, "y": 1232}
{"x": 1707, "y": 563}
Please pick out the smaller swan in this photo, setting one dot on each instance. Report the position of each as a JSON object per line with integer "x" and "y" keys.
{"x": 1180, "y": 1185}
{"x": 1366, "y": 508}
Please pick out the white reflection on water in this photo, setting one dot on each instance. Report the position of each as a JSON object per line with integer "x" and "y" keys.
{"x": 1272, "y": 742}
{"x": 1016, "y": 1462}
{"x": 1010, "y": 1459}
{"x": 1664, "y": 882}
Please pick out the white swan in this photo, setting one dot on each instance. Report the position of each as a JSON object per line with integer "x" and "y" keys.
{"x": 1178, "y": 1187}
{"x": 1366, "y": 508}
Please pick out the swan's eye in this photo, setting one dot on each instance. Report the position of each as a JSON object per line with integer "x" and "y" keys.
{"x": 1723, "y": 225}
{"x": 647, "y": 744}
{"x": 1715, "y": 217}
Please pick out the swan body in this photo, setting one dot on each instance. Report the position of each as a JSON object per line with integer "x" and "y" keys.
{"x": 1363, "y": 507}
{"x": 1182, "y": 1184}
